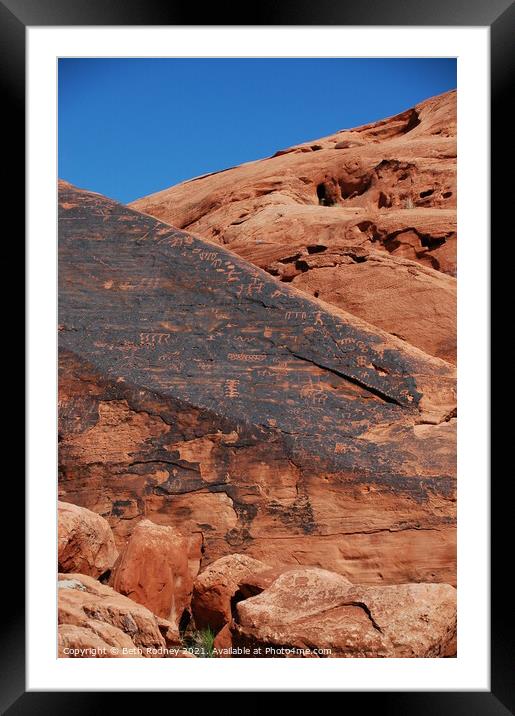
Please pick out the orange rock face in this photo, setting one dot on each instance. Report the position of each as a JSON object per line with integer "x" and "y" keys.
{"x": 85, "y": 541}
{"x": 338, "y": 213}
{"x": 153, "y": 570}
{"x": 314, "y": 613}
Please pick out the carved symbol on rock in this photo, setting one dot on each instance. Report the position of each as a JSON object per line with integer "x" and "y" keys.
{"x": 299, "y": 315}
{"x": 255, "y": 286}
{"x": 247, "y": 357}
{"x": 154, "y": 339}
{"x": 231, "y": 388}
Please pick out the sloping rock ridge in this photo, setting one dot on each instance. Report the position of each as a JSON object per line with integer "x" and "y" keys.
{"x": 364, "y": 219}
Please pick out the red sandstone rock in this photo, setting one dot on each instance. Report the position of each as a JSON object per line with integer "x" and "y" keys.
{"x": 85, "y": 541}
{"x": 319, "y": 613}
{"x": 216, "y": 587}
{"x": 153, "y": 570}
{"x": 273, "y": 424}
{"x": 115, "y": 619}
{"x": 401, "y": 297}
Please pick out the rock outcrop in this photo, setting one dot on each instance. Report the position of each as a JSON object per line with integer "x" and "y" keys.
{"x": 199, "y": 392}
{"x": 85, "y": 541}
{"x": 153, "y": 570}
{"x": 340, "y": 212}
{"x": 314, "y": 613}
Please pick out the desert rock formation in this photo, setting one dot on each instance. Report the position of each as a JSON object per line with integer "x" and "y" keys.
{"x": 198, "y": 392}
{"x": 257, "y": 402}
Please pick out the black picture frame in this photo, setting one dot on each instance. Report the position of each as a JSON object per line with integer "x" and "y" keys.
{"x": 499, "y": 15}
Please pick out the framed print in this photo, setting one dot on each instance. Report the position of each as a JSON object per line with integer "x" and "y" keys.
{"x": 260, "y": 437}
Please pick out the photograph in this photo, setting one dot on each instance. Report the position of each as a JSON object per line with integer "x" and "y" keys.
{"x": 257, "y": 341}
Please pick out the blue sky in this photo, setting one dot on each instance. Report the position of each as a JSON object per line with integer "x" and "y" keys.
{"x": 129, "y": 127}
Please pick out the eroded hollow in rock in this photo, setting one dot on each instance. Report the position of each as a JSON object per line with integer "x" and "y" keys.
{"x": 316, "y": 249}
{"x": 355, "y": 186}
{"x": 325, "y": 196}
{"x": 413, "y": 121}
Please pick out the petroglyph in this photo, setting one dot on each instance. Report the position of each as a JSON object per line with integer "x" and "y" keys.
{"x": 231, "y": 388}
{"x": 296, "y": 315}
{"x": 255, "y": 287}
{"x": 232, "y": 274}
{"x": 176, "y": 240}
{"x": 154, "y": 339}
{"x": 247, "y": 357}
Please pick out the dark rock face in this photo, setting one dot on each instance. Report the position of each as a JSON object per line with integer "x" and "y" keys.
{"x": 198, "y": 391}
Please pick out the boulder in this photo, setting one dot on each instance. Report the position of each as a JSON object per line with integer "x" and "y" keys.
{"x": 85, "y": 541}
{"x": 314, "y": 613}
{"x": 153, "y": 569}
{"x": 216, "y": 589}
